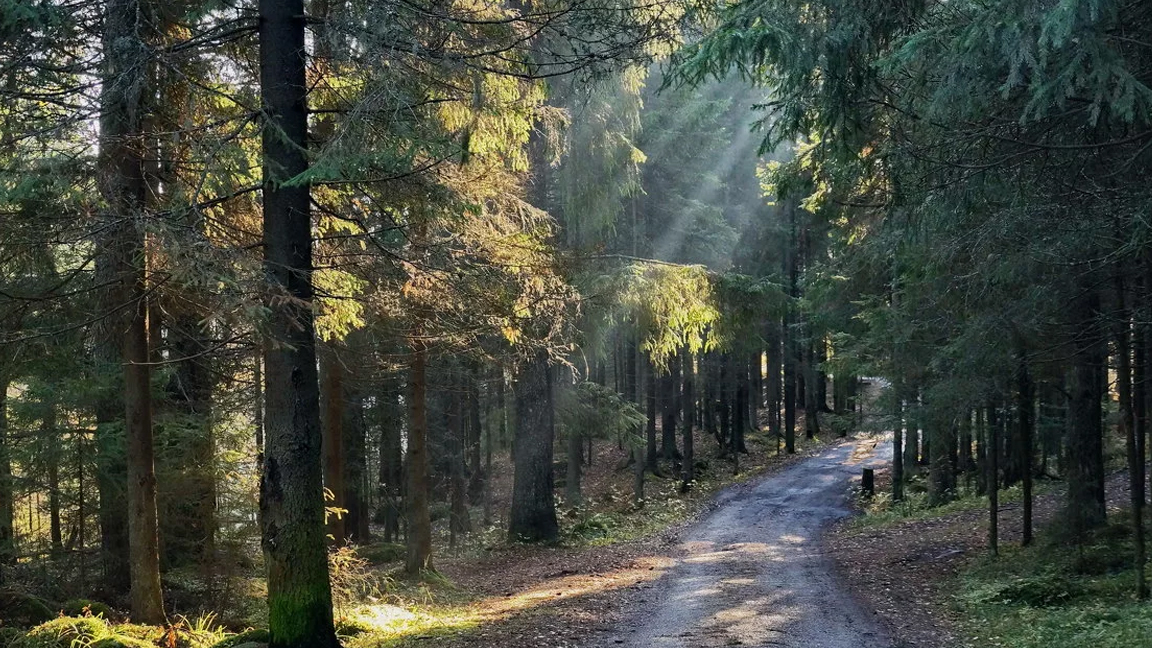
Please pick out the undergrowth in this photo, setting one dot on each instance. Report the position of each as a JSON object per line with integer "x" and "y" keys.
{"x": 1056, "y": 595}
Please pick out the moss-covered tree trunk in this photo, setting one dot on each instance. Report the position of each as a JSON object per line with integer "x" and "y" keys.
{"x": 291, "y": 489}
{"x": 533, "y": 503}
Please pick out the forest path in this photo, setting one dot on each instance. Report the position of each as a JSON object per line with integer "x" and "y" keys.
{"x": 754, "y": 572}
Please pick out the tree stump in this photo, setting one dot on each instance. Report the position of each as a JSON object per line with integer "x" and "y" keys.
{"x": 868, "y": 483}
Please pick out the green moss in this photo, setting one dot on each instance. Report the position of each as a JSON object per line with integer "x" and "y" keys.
{"x": 121, "y": 641}
{"x": 381, "y": 553}
{"x": 64, "y": 632}
{"x": 257, "y": 635}
{"x": 23, "y": 610}
{"x": 84, "y": 607}
{"x": 1042, "y": 597}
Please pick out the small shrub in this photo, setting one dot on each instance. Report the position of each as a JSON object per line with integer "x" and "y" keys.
{"x": 353, "y": 578}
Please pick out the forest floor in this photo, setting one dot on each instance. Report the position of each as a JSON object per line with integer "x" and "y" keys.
{"x": 744, "y": 567}
{"x": 928, "y": 576}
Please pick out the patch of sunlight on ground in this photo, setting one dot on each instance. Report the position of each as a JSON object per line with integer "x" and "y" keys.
{"x": 389, "y": 625}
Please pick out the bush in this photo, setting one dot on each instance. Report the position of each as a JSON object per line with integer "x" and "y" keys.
{"x": 23, "y": 610}
{"x": 85, "y": 607}
{"x": 381, "y": 553}
{"x": 64, "y": 632}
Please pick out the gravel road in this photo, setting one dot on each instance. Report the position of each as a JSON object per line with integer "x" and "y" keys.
{"x": 754, "y": 572}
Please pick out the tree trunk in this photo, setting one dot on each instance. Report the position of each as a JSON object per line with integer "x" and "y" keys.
{"x": 772, "y": 383}
{"x": 993, "y": 479}
{"x": 575, "y": 463}
{"x": 291, "y": 490}
{"x": 355, "y": 466}
{"x": 51, "y": 440}
{"x": 789, "y": 388}
{"x": 123, "y": 187}
{"x": 7, "y": 498}
{"x": 811, "y": 397}
{"x": 533, "y": 503}
{"x": 332, "y": 439}
{"x": 651, "y": 458}
{"x": 689, "y": 401}
{"x": 898, "y": 449}
{"x": 419, "y": 518}
{"x": 668, "y": 448}
{"x": 391, "y": 472}
{"x": 1025, "y": 420}
{"x": 1085, "y": 452}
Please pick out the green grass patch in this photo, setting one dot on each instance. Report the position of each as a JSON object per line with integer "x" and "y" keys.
{"x": 1056, "y": 596}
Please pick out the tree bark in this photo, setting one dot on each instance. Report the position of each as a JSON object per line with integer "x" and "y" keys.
{"x": 7, "y": 498}
{"x": 898, "y": 449}
{"x": 123, "y": 187}
{"x": 993, "y": 479}
{"x": 1025, "y": 419}
{"x": 291, "y": 489}
{"x": 689, "y": 401}
{"x": 332, "y": 439}
{"x": 533, "y": 503}
{"x": 419, "y": 519}
{"x": 1085, "y": 452}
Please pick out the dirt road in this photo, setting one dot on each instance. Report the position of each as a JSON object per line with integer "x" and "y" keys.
{"x": 754, "y": 573}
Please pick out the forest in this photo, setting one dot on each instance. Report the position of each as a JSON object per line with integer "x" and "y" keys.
{"x": 316, "y": 315}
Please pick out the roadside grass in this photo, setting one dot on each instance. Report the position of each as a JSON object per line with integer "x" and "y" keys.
{"x": 1053, "y": 595}
{"x": 880, "y": 510}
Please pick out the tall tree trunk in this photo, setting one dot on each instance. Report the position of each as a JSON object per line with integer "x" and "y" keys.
{"x": 51, "y": 440}
{"x": 355, "y": 466}
{"x": 1128, "y": 415}
{"x": 668, "y": 448}
{"x": 575, "y": 463}
{"x": 123, "y": 187}
{"x": 1025, "y": 394}
{"x": 459, "y": 520}
{"x": 1085, "y": 452}
{"x": 789, "y": 387}
{"x": 477, "y": 480}
{"x": 419, "y": 518}
{"x": 689, "y": 401}
{"x": 898, "y": 448}
{"x": 651, "y": 458}
{"x": 291, "y": 490}
{"x": 332, "y": 438}
{"x": 772, "y": 382}
{"x": 811, "y": 396}
{"x": 391, "y": 470}
{"x": 533, "y": 504}
{"x": 7, "y": 496}
{"x": 993, "y": 479}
